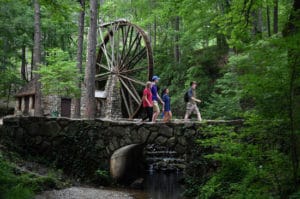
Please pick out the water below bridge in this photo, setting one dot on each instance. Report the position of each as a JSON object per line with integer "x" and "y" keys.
{"x": 158, "y": 185}
{"x": 162, "y": 179}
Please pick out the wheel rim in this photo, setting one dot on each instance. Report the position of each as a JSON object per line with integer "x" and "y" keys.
{"x": 125, "y": 52}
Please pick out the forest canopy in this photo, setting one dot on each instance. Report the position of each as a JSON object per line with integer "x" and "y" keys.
{"x": 244, "y": 54}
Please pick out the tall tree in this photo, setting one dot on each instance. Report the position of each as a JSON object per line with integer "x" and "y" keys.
{"x": 23, "y": 64}
{"x": 292, "y": 32}
{"x": 275, "y": 17}
{"x": 176, "y": 40}
{"x": 268, "y": 21}
{"x": 37, "y": 58}
{"x": 79, "y": 54}
{"x": 90, "y": 69}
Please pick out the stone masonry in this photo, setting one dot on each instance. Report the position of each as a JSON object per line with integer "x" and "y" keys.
{"x": 113, "y": 100}
{"x": 80, "y": 147}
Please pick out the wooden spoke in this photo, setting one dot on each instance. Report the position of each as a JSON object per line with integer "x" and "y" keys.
{"x": 124, "y": 42}
{"x": 125, "y": 101}
{"x": 103, "y": 47}
{"x": 112, "y": 45}
{"x": 140, "y": 55}
{"x": 133, "y": 80}
{"x": 126, "y": 71}
{"x": 130, "y": 92}
{"x": 103, "y": 66}
{"x": 102, "y": 74}
{"x": 103, "y": 78}
{"x": 129, "y": 49}
{"x": 134, "y": 90}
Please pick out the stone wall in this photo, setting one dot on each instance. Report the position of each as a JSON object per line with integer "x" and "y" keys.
{"x": 113, "y": 100}
{"x": 81, "y": 147}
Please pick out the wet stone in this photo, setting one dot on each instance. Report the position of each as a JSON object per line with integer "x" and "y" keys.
{"x": 182, "y": 141}
{"x": 161, "y": 140}
{"x": 166, "y": 131}
{"x": 143, "y": 132}
{"x": 171, "y": 141}
{"x": 38, "y": 140}
{"x": 115, "y": 142}
{"x": 152, "y": 136}
{"x": 179, "y": 149}
{"x": 100, "y": 144}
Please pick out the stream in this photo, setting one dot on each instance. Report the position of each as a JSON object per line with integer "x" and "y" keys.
{"x": 161, "y": 181}
{"x": 157, "y": 186}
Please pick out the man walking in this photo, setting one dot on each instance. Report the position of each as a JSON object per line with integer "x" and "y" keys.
{"x": 191, "y": 106}
{"x": 155, "y": 98}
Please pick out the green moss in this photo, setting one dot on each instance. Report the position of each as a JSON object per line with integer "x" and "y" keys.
{"x": 18, "y": 183}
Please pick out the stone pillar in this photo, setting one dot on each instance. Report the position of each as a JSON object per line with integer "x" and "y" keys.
{"x": 113, "y": 100}
{"x": 23, "y": 104}
{"x": 17, "y": 110}
{"x": 30, "y": 109}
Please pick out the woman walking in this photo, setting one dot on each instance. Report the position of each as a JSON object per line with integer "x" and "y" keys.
{"x": 167, "y": 105}
{"x": 147, "y": 101}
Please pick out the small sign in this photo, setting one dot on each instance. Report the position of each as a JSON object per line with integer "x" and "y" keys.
{"x": 100, "y": 94}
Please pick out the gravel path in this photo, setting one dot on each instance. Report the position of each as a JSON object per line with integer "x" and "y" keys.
{"x": 83, "y": 193}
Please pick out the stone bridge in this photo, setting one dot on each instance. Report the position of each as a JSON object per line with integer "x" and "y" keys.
{"x": 81, "y": 147}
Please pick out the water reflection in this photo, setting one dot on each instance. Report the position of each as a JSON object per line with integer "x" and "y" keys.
{"x": 161, "y": 185}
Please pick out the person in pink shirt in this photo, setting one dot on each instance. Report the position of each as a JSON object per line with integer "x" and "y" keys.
{"x": 147, "y": 101}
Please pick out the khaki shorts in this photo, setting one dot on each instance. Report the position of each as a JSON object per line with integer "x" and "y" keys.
{"x": 192, "y": 108}
{"x": 155, "y": 107}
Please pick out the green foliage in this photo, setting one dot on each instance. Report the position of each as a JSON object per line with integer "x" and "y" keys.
{"x": 20, "y": 183}
{"x": 9, "y": 81}
{"x": 248, "y": 167}
{"x": 60, "y": 76}
{"x": 224, "y": 102}
{"x": 103, "y": 177}
{"x": 12, "y": 186}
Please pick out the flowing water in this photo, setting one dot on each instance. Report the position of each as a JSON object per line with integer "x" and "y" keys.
{"x": 161, "y": 181}
{"x": 163, "y": 186}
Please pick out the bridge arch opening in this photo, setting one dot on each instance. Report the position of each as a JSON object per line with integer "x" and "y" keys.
{"x": 135, "y": 161}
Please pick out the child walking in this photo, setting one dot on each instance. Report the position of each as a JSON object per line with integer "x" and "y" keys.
{"x": 167, "y": 105}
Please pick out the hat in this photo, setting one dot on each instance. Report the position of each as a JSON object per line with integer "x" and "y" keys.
{"x": 193, "y": 82}
{"x": 155, "y": 78}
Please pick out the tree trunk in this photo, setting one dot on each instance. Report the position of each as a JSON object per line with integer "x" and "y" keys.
{"x": 275, "y": 17}
{"x": 154, "y": 34}
{"x": 37, "y": 59}
{"x": 268, "y": 21}
{"x": 176, "y": 40}
{"x": 31, "y": 65}
{"x": 23, "y": 64}
{"x": 90, "y": 68}
{"x": 290, "y": 30}
{"x": 257, "y": 23}
{"x": 77, "y": 102}
{"x": 8, "y": 96}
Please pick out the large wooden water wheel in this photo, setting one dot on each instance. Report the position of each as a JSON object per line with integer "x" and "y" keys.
{"x": 124, "y": 64}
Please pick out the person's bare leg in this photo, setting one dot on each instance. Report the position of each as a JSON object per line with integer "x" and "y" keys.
{"x": 186, "y": 117}
{"x": 166, "y": 116}
{"x": 199, "y": 117}
{"x": 155, "y": 116}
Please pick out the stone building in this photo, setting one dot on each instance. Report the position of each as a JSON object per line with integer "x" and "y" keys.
{"x": 108, "y": 102}
{"x": 52, "y": 105}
